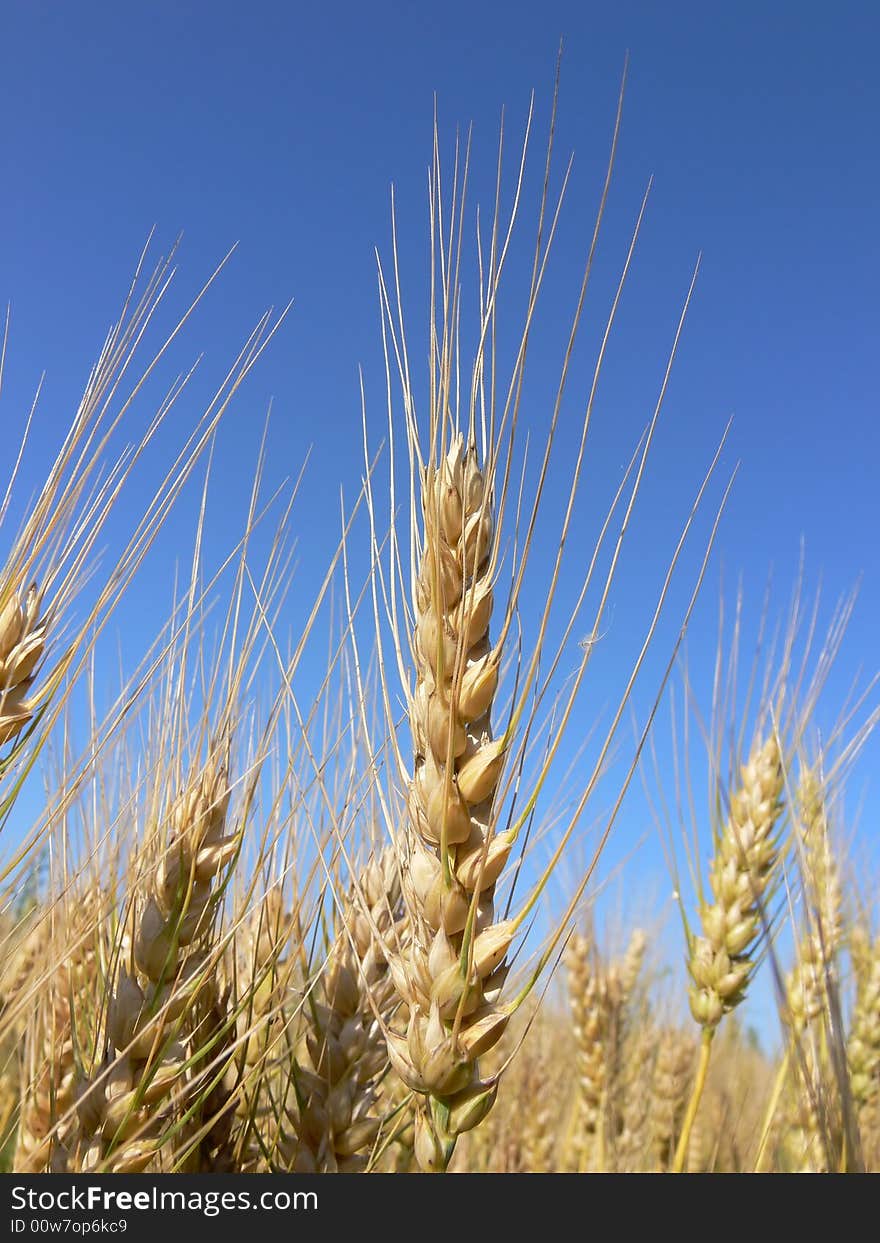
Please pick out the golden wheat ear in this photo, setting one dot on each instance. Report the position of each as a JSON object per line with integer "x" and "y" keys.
{"x": 471, "y": 787}
{"x": 669, "y": 1093}
{"x": 811, "y": 978}
{"x": 599, "y": 996}
{"x": 341, "y": 1054}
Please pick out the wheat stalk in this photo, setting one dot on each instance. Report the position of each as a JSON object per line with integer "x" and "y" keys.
{"x": 470, "y": 797}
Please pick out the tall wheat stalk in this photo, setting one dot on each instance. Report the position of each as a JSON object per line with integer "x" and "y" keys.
{"x": 470, "y": 798}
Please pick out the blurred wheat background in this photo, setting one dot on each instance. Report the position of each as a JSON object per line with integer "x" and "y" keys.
{"x": 434, "y": 736}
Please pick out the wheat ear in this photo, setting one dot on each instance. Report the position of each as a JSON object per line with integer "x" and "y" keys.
{"x": 64, "y": 969}
{"x": 598, "y": 998}
{"x": 807, "y": 983}
{"x": 450, "y": 970}
{"x": 672, "y": 1075}
{"x": 475, "y": 784}
{"x": 153, "y": 1005}
{"x": 741, "y": 871}
{"x": 344, "y": 1053}
{"x": 588, "y": 1012}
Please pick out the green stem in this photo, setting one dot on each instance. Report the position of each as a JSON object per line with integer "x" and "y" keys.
{"x": 694, "y": 1102}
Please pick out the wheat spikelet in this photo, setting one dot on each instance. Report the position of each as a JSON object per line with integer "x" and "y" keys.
{"x": 699, "y": 1153}
{"x": 63, "y": 970}
{"x": 742, "y": 874}
{"x": 627, "y": 1053}
{"x": 471, "y": 786}
{"x": 632, "y": 1146}
{"x": 263, "y": 978}
{"x": 811, "y": 988}
{"x": 739, "y": 875}
{"x": 450, "y": 968}
{"x": 599, "y": 998}
{"x": 336, "y": 1120}
{"x": 211, "y": 1120}
{"x": 672, "y": 1076}
{"x": 22, "y": 643}
{"x": 28, "y": 953}
{"x": 48, "y": 1088}
{"x": 803, "y": 1148}
{"x": 822, "y": 869}
{"x": 808, "y": 982}
{"x": 154, "y": 1007}
{"x": 587, "y": 1003}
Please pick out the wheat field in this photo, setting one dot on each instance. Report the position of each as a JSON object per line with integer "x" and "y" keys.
{"x": 322, "y": 900}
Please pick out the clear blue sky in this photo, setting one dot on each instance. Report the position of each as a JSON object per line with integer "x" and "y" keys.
{"x": 281, "y": 127}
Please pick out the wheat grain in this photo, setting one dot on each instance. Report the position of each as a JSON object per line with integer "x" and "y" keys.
{"x": 22, "y": 643}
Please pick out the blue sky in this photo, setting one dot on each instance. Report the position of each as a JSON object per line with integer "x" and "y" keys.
{"x": 281, "y": 127}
